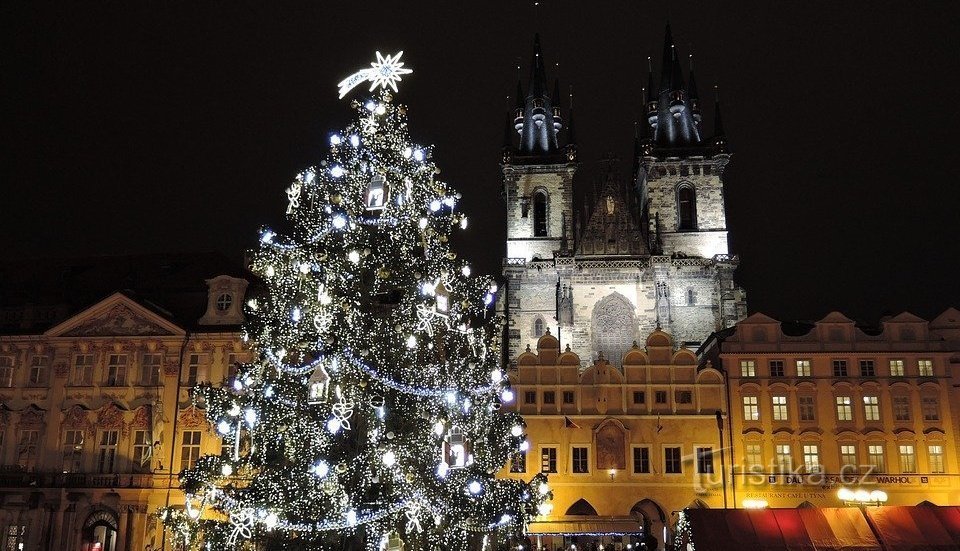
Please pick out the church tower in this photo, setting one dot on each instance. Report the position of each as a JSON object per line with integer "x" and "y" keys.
{"x": 644, "y": 252}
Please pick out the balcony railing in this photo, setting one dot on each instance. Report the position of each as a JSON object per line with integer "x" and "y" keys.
{"x": 13, "y": 479}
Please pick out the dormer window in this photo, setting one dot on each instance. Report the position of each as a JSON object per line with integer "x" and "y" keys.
{"x": 224, "y": 301}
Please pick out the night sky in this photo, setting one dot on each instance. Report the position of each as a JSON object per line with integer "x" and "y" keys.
{"x": 135, "y": 127}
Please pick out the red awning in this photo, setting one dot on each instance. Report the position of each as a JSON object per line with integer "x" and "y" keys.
{"x": 917, "y": 528}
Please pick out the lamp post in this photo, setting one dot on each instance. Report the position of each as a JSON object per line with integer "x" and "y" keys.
{"x": 723, "y": 462}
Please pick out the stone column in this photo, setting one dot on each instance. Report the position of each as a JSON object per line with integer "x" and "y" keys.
{"x": 138, "y": 527}
{"x": 123, "y": 529}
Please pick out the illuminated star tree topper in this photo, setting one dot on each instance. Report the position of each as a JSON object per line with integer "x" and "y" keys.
{"x": 383, "y": 73}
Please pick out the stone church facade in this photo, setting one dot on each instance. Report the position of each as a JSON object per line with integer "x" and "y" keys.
{"x": 645, "y": 252}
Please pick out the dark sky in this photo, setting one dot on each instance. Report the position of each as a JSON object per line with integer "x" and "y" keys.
{"x": 175, "y": 126}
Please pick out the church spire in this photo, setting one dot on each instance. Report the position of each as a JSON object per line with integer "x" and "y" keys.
{"x": 674, "y": 117}
{"x": 692, "y": 95}
{"x": 540, "y": 121}
{"x": 719, "y": 138}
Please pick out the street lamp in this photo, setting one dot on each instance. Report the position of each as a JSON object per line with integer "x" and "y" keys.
{"x": 861, "y": 498}
{"x": 612, "y": 473}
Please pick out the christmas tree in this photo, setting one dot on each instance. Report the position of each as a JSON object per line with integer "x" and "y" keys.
{"x": 370, "y": 416}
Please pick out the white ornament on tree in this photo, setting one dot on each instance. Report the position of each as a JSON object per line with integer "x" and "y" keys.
{"x": 343, "y": 410}
{"x": 242, "y": 521}
{"x": 293, "y": 196}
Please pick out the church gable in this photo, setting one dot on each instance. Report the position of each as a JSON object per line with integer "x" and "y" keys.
{"x": 115, "y": 316}
{"x": 611, "y": 227}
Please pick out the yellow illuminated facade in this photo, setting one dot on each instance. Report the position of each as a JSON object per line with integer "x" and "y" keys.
{"x": 97, "y": 421}
{"x": 816, "y": 408}
{"x": 626, "y": 443}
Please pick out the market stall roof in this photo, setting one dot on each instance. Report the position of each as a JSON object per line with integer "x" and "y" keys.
{"x": 922, "y": 528}
{"x": 917, "y": 528}
{"x": 613, "y": 526}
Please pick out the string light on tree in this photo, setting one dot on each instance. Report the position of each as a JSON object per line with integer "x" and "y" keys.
{"x": 372, "y": 403}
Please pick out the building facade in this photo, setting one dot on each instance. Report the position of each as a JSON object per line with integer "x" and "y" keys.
{"x": 624, "y": 448}
{"x": 644, "y": 252}
{"x": 96, "y": 418}
{"x": 829, "y": 405}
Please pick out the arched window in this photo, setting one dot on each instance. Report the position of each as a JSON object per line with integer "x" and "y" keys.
{"x": 540, "y": 214}
{"x": 687, "y": 207}
{"x": 538, "y": 328}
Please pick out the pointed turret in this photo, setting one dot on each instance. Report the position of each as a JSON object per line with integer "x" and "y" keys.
{"x": 540, "y": 121}
{"x": 692, "y": 95}
{"x": 518, "y": 112}
{"x": 650, "y": 97}
{"x": 571, "y": 140}
{"x": 719, "y": 138}
{"x": 672, "y": 116}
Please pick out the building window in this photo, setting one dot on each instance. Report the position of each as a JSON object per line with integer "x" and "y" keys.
{"x": 901, "y": 408}
{"x": 193, "y": 369}
{"x": 568, "y": 397}
{"x": 684, "y": 397}
{"x": 639, "y": 397}
{"x": 107, "y": 451}
{"x": 580, "y": 460}
{"x": 38, "y": 371}
{"x": 83, "y": 369}
{"x": 27, "y": 448}
{"x": 751, "y": 410}
{"x": 844, "y": 408}
{"x": 660, "y": 396}
{"x": 925, "y": 368}
{"x": 189, "y": 449}
{"x": 871, "y": 408}
{"x": 705, "y": 460}
{"x": 776, "y": 368}
{"x": 540, "y": 214}
{"x": 783, "y": 458}
{"x": 808, "y": 408}
{"x": 875, "y": 458}
{"x": 780, "y": 408}
{"x": 691, "y": 297}
{"x": 548, "y": 460}
{"x": 931, "y": 408}
{"x": 538, "y": 327}
{"x": 811, "y": 458}
{"x": 803, "y": 368}
{"x": 117, "y": 370}
{"x": 518, "y": 463}
{"x": 839, "y": 368}
{"x": 530, "y": 397}
{"x": 753, "y": 457}
{"x": 896, "y": 368}
{"x": 6, "y": 371}
{"x": 935, "y": 451}
{"x": 641, "y": 460}
{"x": 224, "y": 301}
{"x": 142, "y": 450}
{"x": 150, "y": 370}
{"x": 867, "y": 369}
{"x": 848, "y": 457}
{"x": 16, "y": 538}
{"x": 72, "y": 451}
{"x": 549, "y": 397}
{"x": 687, "y": 203}
{"x": 748, "y": 368}
{"x": 908, "y": 459}
{"x": 672, "y": 463}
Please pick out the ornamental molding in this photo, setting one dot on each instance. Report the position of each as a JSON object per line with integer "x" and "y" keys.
{"x": 77, "y": 417}
{"x": 142, "y": 417}
{"x": 192, "y": 417}
{"x": 111, "y": 417}
{"x": 32, "y": 416}
{"x": 115, "y": 316}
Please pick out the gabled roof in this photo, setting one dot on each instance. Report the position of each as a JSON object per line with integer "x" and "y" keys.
{"x": 905, "y": 317}
{"x": 756, "y": 318}
{"x": 949, "y": 318}
{"x": 116, "y": 316}
{"x": 612, "y": 227}
{"x": 835, "y": 317}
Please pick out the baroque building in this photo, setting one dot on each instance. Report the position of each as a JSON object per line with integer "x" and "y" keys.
{"x": 815, "y": 407}
{"x": 96, "y": 416}
{"x": 642, "y": 254}
{"x": 625, "y": 448}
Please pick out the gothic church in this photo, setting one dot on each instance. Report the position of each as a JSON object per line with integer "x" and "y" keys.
{"x": 645, "y": 253}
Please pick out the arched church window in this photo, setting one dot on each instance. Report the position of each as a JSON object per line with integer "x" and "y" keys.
{"x": 687, "y": 206}
{"x": 613, "y": 326}
{"x": 540, "y": 214}
{"x": 691, "y": 297}
{"x": 538, "y": 328}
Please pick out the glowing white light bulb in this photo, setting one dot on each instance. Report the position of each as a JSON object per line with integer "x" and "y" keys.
{"x": 295, "y": 314}
{"x": 336, "y": 171}
{"x": 496, "y": 375}
{"x": 435, "y": 205}
{"x": 250, "y": 416}
{"x": 423, "y": 223}
{"x": 252, "y": 304}
{"x": 438, "y": 428}
{"x": 267, "y": 237}
{"x": 339, "y": 222}
{"x": 237, "y": 385}
{"x": 304, "y": 267}
{"x": 545, "y": 508}
{"x": 355, "y": 140}
{"x": 418, "y": 154}
{"x": 270, "y": 271}
{"x": 466, "y": 405}
{"x": 427, "y": 288}
{"x": 465, "y": 271}
{"x": 223, "y": 427}
{"x": 271, "y": 521}
{"x": 354, "y": 257}
{"x": 516, "y": 430}
{"x": 507, "y": 395}
{"x": 333, "y": 425}
{"x": 226, "y": 469}
{"x": 321, "y": 468}
{"x": 451, "y": 397}
{"x": 194, "y": 513}
{"x": 488, "y": 299}
{"x": 335, "y": 140}
{"x": 443, "y": 469}
{"x": 463, "y": 223}
{"x": 407, "y": 153}
{"x": 389, "y": 458}
{"x": 474, "y": 487}
{"x": 380, "y": 109}
{"x": 449, "y": 201}
{"x": 234, "y": 410}
{"x": 352, "y": 517}
{"x": 544, "y": 488}
{"x": 411, "y": 342}
{"x": 525, "y": 445}
{"x": 370, "y": 106}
